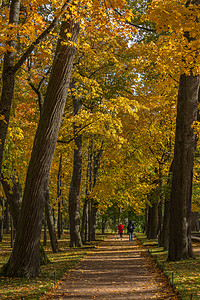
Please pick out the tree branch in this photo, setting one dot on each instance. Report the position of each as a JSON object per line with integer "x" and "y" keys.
{"x": 41, "y": 37}
{"x": 77, "y": 133}
{"x": 134, "y": 25}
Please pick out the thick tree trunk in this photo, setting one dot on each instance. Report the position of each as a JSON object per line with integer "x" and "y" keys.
{"x": 50, "y": 224}
{"x": 74, "y": 213}
{"x": 180, "y": 246}
{"x": 25, "y": 258}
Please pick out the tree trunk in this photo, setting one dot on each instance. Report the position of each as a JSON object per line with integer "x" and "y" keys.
{"x": 93, "y": 219}
{"x": 195, "y": 221}
{"x": 50, "y": 224}
{"x": 13, "y": 196}
{"x": 7, "y": 221}
{"x": 94, "y": 205}
{"x": 8, "y": 78}
{"x": 103, "y": 227}
{"x": 152, "y": 221}
{"x": 74, "y": 214}
{"x": 89, "y": 221}
{"x": 84, "y": 221}
{"x": 164, "y": 239}
{"x": 25, "y": 257}
{"x": 2, "y": 219}
{"x": 59, "y": 197}
{"x": 45, "y": 231}
{"x": 180, "y": 246}
{"x": 160, "y": 205}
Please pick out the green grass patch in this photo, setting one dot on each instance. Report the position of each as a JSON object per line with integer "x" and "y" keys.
{"x": 184, "y": 275}
{"x": 60, "y": 263}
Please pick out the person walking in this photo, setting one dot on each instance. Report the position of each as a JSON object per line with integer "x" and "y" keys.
{"x": 120, "y": 229}
{"x": 130, "y": 229}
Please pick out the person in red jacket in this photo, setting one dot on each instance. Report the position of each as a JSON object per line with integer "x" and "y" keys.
{"x": 120, "y": 229}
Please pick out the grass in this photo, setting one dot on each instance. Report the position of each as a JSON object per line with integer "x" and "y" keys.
{"x": 33, "y": 288}
{"x": 184, "y": 275}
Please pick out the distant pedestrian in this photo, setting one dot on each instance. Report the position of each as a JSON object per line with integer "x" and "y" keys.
{"x": 130, "y": 229}
{"x": 120, "y": 229}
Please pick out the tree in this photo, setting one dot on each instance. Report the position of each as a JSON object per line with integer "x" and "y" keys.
{"x": 24, "y": 260}
{"x": 182, "y": 38}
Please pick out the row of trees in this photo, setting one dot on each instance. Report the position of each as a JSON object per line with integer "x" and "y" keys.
{"x": 96, "y": 88}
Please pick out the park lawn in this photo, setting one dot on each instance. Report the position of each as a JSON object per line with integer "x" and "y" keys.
{"x": 183, "y": 275}
{"x": 60, "y": 263}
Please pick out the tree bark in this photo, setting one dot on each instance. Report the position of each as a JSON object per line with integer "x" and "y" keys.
{"x": 25, "y": 257}
{"x": 180, "y": 246}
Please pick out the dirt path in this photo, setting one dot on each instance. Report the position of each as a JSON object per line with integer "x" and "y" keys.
{"x": 118, "y": 269}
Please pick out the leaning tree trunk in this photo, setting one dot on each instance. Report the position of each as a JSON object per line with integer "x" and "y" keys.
{"x": 14, "y": 197}
{"x": 74, "y": 213}
{"x": 25, "y": 257}
{"x": 8, "y": 78}
{"x": 180, "y": 246}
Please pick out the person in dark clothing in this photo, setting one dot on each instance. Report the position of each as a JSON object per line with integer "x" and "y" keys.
{"x": 130, "y": 229}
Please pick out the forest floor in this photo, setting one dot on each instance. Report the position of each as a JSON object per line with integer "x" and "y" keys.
{"x": 116, "y": 269}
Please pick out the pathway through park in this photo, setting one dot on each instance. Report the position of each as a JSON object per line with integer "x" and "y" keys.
{"x": 117, "y": 269}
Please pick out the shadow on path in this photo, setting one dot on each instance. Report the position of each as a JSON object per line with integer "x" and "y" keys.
{"x": 117, "y": 269}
